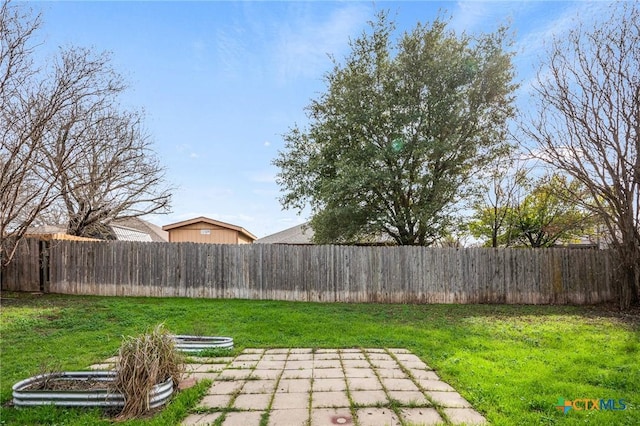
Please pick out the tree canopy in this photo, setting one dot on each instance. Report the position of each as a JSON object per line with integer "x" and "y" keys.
{"x": 398, "y": 134}
{"x": 538, "y": 213}
{"x": 548, "y": 214}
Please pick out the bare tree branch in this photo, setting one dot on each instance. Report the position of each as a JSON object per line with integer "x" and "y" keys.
{"x": 67, "y": 146}
{"x": 589, "y": 126}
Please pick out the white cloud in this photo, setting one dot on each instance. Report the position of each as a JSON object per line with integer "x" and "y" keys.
{"x": 294, "y": 43}
{"x": 232, "y": 55}
{"x": 469, "y": 14}
{"x": 267, "y": 144}
{"x": 535, "y": 42}
{"x": 304, "y": 45}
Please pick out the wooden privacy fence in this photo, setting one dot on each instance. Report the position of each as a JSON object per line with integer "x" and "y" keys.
{"x": 318, "y": 273}
{"x": 25, "y": 272}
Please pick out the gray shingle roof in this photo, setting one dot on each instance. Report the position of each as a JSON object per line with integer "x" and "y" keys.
{"x": 300, "y": 234}
{"x": 127, "y": 234}
{"x": 155, "y": 232}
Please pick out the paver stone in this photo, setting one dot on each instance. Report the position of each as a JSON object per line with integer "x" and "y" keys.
{"x": 252, "y": 401}
{"x": 327, "y": 385}
{"x": 290, "y": 417}
{"x": 235, "y": 374}
{"x": 448, "y": 399}
{"x": 359, "y": 372}
{"x": 225, "y": 387}
{"x": 259, "y": 386}
{"x": 328, "y": 373}
{"x": 392, "y": 373}
{"x": 284, "y": 401}
{"x": 435, "y": 385}
{"x": 327, "y": 363}
{"x": 359, "y": 383}
{"x": 400, "y": 384}
{"x": 294, "y": 385}
{"x": 424, "y": 375}
{"x": 377, "y": 417}
{"x": 201, "y": 419}
{"x": 242, "y": 418}
{"x": 467, "y": 416}
{"x": 331, "y": 417}
{"x": 364, "y": 398}
{"x": 421, "y": 416}
{"x": 329, "y": 399}
{"x": 355, "y": 363}
{"x": 409, "y": 397}
{"x": 265, "y": 374}
{"x": 215, "y": 401}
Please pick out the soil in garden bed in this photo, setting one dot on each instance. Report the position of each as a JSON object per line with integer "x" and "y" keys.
{"x": 68, "y": 384}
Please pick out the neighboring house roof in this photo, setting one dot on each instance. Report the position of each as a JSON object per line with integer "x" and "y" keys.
{"x": 154, "y": 231}
{"x": 46, "y": 229}
{"x": 130, "y": 229}
{"x": 123, "y": 233}
{"x": 299, "y": 234}
{"x": 210, "y": 222}
{"x": 303, "y": 234}
{"x": 53, "y": 232}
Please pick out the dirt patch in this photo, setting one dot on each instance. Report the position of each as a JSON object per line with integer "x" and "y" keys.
{"x": 630, "y": 316}
{"x": 67, "y": 384}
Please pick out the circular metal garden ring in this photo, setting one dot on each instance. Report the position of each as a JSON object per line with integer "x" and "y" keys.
{"x": 186, "y": 343}
{"x": 25, "y": 396}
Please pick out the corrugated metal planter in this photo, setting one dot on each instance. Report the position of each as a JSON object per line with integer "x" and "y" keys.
{"x": 22, "y": 397}
{"x": 200, "y": 343}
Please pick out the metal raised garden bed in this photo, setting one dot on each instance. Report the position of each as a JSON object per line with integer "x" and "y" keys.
{"x": 97, "y": 397}
{"x": 186, "y": 343}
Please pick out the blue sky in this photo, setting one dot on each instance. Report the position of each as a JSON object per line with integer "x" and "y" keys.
{"x": 222, "y": 81}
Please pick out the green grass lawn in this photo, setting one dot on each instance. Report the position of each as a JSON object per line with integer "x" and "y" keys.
{"x": 511, "y": 362}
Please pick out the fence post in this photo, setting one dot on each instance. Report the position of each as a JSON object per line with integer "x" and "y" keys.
{"x": 43, "y": 247}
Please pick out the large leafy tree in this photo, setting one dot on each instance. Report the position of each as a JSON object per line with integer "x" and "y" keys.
{"x": 589, "y": 127}
{"x": 530, "y": 212}
{"x": 399, "y": 133}
{"x": 548, "y": 215}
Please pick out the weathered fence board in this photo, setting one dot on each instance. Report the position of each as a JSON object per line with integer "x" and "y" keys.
{"x": 328, "y": 273}
{"x": 24, "y": 274}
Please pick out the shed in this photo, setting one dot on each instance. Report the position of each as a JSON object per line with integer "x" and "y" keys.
{"x": 206, "y": 230}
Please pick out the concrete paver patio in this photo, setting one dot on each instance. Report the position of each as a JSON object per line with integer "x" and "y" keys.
{"x": 326, "y": 387}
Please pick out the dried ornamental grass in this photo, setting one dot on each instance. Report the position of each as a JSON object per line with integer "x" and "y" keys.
{"x": 145, "y": 361}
